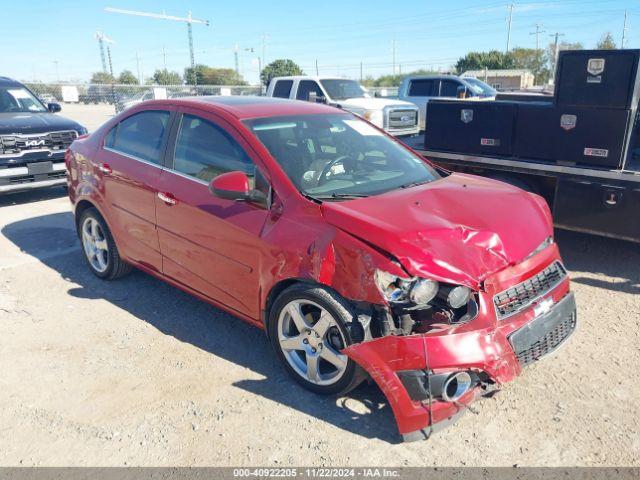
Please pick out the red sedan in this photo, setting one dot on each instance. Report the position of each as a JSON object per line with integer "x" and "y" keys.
{"x": 356, "y": 255}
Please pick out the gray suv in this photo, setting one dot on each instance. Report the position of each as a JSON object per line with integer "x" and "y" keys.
{"x": 419, "y": 89}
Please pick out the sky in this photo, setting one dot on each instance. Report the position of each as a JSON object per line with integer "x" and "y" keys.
{"x": 49, "y": 40}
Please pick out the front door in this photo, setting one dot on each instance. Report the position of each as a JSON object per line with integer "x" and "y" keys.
{"x": 130, "y": 165}
{"x": 210, "y": 244}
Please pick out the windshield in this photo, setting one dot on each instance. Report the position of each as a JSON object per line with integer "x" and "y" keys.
{"x": 342, "y": 89}
{"x": 481, "y": 88}
{"x": 19, "y": 99}
{"x": 338, "y": 156}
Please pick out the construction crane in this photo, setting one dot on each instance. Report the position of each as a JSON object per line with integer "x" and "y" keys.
{"x": 102, "y": 39}
{"x": 189, "y": 20}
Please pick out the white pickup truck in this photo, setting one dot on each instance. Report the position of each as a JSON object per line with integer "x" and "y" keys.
{"x": 394, "y": 116}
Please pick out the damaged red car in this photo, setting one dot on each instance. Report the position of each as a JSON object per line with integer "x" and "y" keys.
{"x": 356, "y": 255}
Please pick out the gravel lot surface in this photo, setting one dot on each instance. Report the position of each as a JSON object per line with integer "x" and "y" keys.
{"x": 135, "y": 372}
{"x": 90, "y": 116}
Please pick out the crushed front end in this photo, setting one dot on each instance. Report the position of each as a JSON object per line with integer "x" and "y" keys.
{"x": 432, "y": 361}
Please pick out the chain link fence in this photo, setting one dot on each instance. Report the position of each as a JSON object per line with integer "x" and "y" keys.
{"x": 92, "y": 104}
{"x": 125, "y": 96}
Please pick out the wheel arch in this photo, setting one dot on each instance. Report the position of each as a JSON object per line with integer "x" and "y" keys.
{"x": 85, "y": 204}
{"x": 277, "y": 289}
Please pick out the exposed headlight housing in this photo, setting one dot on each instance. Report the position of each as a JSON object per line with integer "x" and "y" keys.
{"x": 423, "y": 291}
{"x": 419, "y": 291}
{"x": 392, "y": 287}
{"x": 458, "y": 296}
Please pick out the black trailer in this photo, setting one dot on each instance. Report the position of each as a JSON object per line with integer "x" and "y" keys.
{"x": 580, "y": 149}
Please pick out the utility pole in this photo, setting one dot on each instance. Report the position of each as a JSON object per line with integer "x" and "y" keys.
{"x": 624, "y": 31}
{"x": 556, "y": 46}
{"x": 393, "y": 53}
{"x": 510, "y": 7}
{"x": 317, "y": 67}
{"x": 164, "y": 57}
{"x": 235, "y": 59}
{"x": 537, "y": 34}
{"x": 189, "y": 20}
{"x": 138, "y": 69}
{"x": 56, "y": 62}
{"x": 264, "y": 46}
{"x": 360, "y": 71}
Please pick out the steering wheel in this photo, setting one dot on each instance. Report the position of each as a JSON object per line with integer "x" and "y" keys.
{"x": 323, "y": 177}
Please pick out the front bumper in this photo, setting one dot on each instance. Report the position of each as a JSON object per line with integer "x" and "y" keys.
{"x": 33, "y": 175}
{"x": 403, "y": 132}
{"x": 496, "y": 353}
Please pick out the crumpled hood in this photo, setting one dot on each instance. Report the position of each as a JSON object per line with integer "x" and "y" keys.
{"x": 37, "y": 122}
{"x": 374, "y": 103}
{"x": 459, "y": 229}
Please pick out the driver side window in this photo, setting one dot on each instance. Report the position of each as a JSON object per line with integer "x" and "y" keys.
{"x": 305, "y": 87}
{"x": 204, "y": 151}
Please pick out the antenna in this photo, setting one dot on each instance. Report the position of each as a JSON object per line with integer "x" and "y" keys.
{"x": 189, "y": 20}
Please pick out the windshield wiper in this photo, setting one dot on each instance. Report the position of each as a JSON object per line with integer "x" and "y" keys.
{"x": 336, "y": 195}
{"x": 414, "y": 184}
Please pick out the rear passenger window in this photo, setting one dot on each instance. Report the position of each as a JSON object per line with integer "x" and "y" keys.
{"x": 204, "y": 151}
{"x": 421, "y": 88}
{"x": 140, "y": 135}
{"x": 449, "y": 88}
{"x": 282, "y": 88}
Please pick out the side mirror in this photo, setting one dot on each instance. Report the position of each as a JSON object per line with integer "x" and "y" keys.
{"x": 235, "y": 186}
{"x": 315, "y": 98}
{"x": 54, "y": 107}
{"x": 462, "y": 91}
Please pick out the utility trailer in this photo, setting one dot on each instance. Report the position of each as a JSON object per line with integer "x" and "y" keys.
{"x": 580, "y": 149}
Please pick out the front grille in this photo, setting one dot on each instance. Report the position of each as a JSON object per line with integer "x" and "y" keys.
{"x": 521, "y": 296}
{"x": 549, "y": 342}
{"x": 403, "y": 118}
{"x": 54, "y": 141}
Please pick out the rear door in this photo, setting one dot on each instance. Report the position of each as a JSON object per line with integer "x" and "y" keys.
{"x": 419, "y": 91}
{"x": 282, "y": 88}
{"x": 130, "y": 164}
{"x": 210, "y": 244}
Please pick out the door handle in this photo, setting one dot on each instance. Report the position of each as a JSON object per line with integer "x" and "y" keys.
{"x": 167, "y": 198}
{"x": 105, "y": 168}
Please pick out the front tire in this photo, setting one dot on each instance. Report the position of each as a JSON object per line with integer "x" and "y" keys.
{"x": 307, "y": 328}
{"x": 99, "y": 249}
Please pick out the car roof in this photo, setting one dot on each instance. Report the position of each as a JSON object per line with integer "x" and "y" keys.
{"x": 310, "y": 77}
{"x": 243, "y": 107}
{"x": 9, "y": 82}
{"x": 432, "y": 77}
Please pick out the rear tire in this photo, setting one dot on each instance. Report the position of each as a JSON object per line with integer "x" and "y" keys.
{"x": 99, "y": 248}
{"x": 307, "y": 328}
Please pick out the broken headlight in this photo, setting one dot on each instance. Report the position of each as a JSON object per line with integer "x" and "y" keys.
{"x": 393, "y": 288}
{"x": 420, "y": 291}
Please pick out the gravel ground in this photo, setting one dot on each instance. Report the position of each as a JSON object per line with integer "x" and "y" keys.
{"x": 135, "y": 372}
{"x": 90, "y": 116}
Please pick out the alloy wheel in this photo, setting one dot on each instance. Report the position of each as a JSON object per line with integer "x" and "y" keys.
{"x": 94, "y": 243}
{"x": 311, "y": 340}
